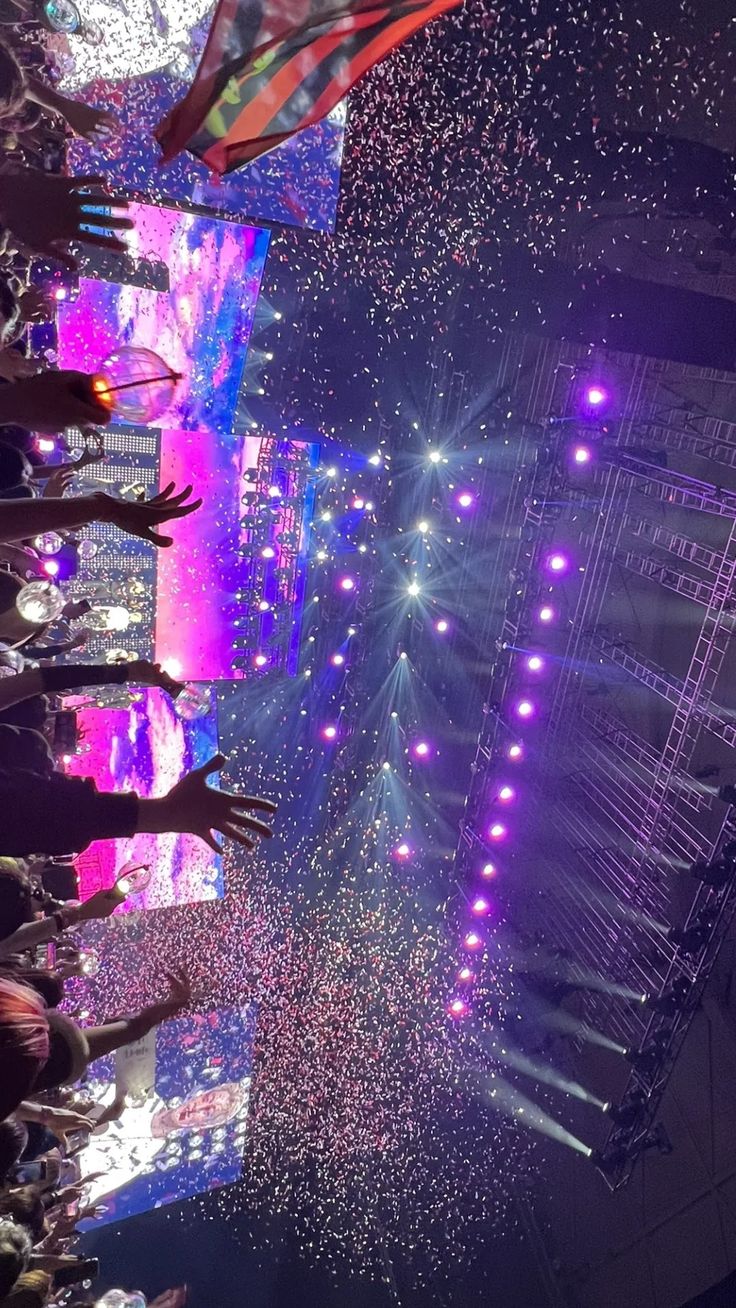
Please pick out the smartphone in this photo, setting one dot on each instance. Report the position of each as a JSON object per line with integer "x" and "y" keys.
{"x": 82, "y": 1269}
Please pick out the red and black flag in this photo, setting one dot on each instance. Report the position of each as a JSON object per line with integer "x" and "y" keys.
{"x": 272, "y": 67}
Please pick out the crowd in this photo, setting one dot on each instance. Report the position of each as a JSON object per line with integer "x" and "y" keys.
{"x": 47, "y": 817}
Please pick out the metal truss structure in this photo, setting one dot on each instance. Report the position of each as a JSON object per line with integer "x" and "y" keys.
{"x": 619, "y": 816}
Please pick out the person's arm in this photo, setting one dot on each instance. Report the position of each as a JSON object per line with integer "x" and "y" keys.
{"x": 83, "y": 119}
{"x": 55, "y": 681}
{"x": 21, "y": 519}
{"x": 30, "y": 934}
{"x": 62, "y": 813}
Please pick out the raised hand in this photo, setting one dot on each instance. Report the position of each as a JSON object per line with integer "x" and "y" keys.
{"x": 144, "y": 673}
{"x": 195, "y": 807}
{"x": 142, "y": 517}
{"x": 87, "y": 121}
{"x": 46, "y": 212}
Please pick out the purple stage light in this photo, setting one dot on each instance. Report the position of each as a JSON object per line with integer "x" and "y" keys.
{"x": 535, "y": 663}
{"x": 546, "y": 613}
{"x": 268, "y": 552}
{"x": 480, "y": 906}
{"x": 488, "y": 871}
{"x": 50, "y": 567}
{"x": 261, "y": 660}
{"x": 466, "y": 500}
{"x": 442, "y": 626}
{"x": 403, "y": 851}
{"x": 422, "y": 749}
{"x": 358, "y": 503}
{"x": 525, "y": 709}
{"x": 466, "y": 974}
{"x": 472, "y": 940}
{"x": 274, "y": 492}
{"x": 497, "y": 831}
{"x": 595, "y": 396}
{"x": 329, "y": 732}
{"x": 337, "y": 660}
{"x": 581, "y": 455}
{"x": 557, "y": 563}
{"x": 347, "y": 583}
{"x": 457, "y": 1008}
{"x": 506, "y": 794}
{"x": 263, "y": 606}
{"x": 515, "y": 753}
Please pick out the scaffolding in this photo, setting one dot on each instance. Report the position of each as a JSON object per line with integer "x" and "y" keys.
{"x": 619, "y": 817}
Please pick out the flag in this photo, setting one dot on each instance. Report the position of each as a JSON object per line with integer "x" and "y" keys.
{"x": 273, "y": 67}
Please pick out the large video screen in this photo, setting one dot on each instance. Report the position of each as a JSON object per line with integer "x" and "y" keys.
{"x": 138, "y": 59}
{"x": 190, "y": 295}
{"x": 230, "y": 558}
{"x": 184, "y": 1127}
{"x": 144, "y": 746}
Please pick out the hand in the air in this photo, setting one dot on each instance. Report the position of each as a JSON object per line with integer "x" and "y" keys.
{"x": 144, "y": 673}
{"x": 195, "y": 807}
{"x": 46, "y": 212}
{"x": 102, "y": 904}
{"x": 142, "y": 517}
{"x": 87, "y": 121}
{"x": 56, "y": 485}
{"x": 35, "y": 304}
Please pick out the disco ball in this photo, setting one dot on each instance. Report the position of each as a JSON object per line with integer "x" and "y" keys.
{"x": 86, "y": 549}
{"x": 39, "y": 602}
{"x": 49, "y": 543}
{"x": 135, "y": 384}
{"x": 61, "y": 16}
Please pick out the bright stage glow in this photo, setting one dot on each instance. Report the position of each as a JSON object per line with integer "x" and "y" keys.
{"x": 506, "y": 794}
{"x": 472, "y": 940}
{"x": 46, "y": 445}
{"x": 423, "y": 527}
{"x": 261, "y": 660}
{"x": 268, "y": 552}
{"x": 557, "y": 563}
{"x": 413, "y": 588}
{"x": 595, "y": 396}
{"x": 274, "y": 492}
{"x": 525, "y": 708}
{"x": 434, "y": 456}
{"x": 457, "y": 1008}
{"x": 263, "y": 606}
{"x": 497, "y": 831}
{"x": 347, "y": 583}
{"x": 515, "y": 752}
{"x": 480, "y": 906}
{"x": 330, "y": 472}
{"x": 466, "y": 974}
{"x": 442, "y": 626}
{"x": 329, "y": 732}
{"x": 546, "y": 613}
{"x": 582, "y": 454}
{"x": 422, "y": 749}
{"x": 535, "y": 663}
{"x": 50, "y": 567}
{"x": 403, "y": 851}
{"x": 337, "y": 660}
{"x": 358, "y": 503}
{"x": 375, "y": 460}
{"x": 466, "y": 500}
{"x": 488, "y": 871}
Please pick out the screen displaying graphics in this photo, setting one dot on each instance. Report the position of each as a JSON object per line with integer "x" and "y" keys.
{"x": 144, "y": 746}
{"x": 185, "y": 1134}
{"x": 232, "y": 589}
{"x": 188, "y": 291}
{"x": 137, "y": 59}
